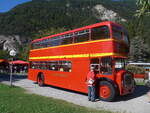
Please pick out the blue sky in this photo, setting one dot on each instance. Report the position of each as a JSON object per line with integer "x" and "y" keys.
{"x": 6, "y": 5}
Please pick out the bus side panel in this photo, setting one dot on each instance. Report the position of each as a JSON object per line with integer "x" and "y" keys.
{"x": 74, "y": 80}
{"x": 32, "y": 74}
{"x": 79, "y": 49}
{"x": 57, "y": 78}
{"x": 80, "y": 71}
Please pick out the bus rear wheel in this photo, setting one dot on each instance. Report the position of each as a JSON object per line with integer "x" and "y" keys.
{"x": 40, "y": 80}
{"x": 106, "y": 91}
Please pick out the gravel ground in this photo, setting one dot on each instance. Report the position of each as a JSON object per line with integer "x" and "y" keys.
{"x": 135, "y": 103}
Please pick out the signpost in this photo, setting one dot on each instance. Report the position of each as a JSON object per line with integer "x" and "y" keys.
{"x": 12, "y": 53}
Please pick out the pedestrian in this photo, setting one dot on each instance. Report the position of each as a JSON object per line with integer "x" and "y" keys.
{"x": 91, "y": 79}
{"x": 25, "y": 69}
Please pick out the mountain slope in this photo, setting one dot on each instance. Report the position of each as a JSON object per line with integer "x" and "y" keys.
{"x": 29, "y": 18}
{"x": 40, "y": 18}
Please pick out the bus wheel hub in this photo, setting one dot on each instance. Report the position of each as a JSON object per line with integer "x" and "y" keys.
{"x": 104, "y": 91}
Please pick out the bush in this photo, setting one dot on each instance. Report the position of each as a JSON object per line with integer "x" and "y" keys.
{"x": 135, "y": 69}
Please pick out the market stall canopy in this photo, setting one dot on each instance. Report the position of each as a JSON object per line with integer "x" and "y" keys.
{"x": 3, "y": 61}
{"x": 19, "y": 62}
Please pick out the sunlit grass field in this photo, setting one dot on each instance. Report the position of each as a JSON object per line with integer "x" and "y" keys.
{"x": 17, "y": 100}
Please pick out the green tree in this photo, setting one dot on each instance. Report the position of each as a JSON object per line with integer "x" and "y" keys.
{"x": 47, "y": 32}
{"x": 144, "y": 7}
{"x": 24, "y": 52}
{"x": 138, "y": 50}
{"x": 4, "y": 54}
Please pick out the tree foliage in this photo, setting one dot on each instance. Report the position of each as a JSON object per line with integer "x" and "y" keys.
{"x": 4, "y": 54}
{"x": 144, "y": 7}
{"x": 40, "y": 18}
{"x": 139, "y": 51}
{"x": 48, "y": 32}
{"x": 135, "y": 69}
{"x": 29, "y": 18}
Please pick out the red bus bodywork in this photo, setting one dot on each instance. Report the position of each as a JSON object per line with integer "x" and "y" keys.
{"x": 80, "y": 55}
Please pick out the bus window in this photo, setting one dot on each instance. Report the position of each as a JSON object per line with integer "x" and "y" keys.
{"x": 46, "y": 43}
{"x": 117, "y": 32}
{"x": 67, "y": 39}
{"x": 41, "y": 44}
{"x": 65, "y": 66}
{"x": 53, "y": 65}
{"x": 32, "y": 65}
{"x": 100, "y": 33}
{"x": 55, "y": 41}
{"x": 102, "y": 65}
{"x": 81, "y": 36}
{"x": 126, "y": 38}
{"x": 43, "y": 65}
{"x": 35, "y": 45}
{"x": 106, "y": 65}
{"x": 95, "y": 64}
{"x": 119, "y": 63}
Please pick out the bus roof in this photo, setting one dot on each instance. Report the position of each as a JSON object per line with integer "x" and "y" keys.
{"x": 78, "y": 29}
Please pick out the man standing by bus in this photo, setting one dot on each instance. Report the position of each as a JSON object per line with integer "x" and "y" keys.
{"x": 91, "y": 79}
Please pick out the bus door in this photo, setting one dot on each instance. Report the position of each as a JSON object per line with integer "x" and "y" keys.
{"x": 95, "y": 63}
{"x": 102, "y": 66}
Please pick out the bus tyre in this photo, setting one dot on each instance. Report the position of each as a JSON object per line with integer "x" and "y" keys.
{"x": 40, "y": 80}
{"x": 106, "y": 91}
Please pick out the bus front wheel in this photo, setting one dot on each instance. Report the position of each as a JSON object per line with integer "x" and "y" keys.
{"x": 106, "y": 91}
{"x": 40, "y": 80}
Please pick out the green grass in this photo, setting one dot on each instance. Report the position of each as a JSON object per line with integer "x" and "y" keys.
{"x": 15, "y": 100}
{"x": 140, "y": 83}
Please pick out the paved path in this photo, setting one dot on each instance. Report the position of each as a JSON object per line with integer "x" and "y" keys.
{"x": 136, "y": 103}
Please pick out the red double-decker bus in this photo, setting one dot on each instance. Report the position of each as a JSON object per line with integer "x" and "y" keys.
{"x": 64, "y": 59}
